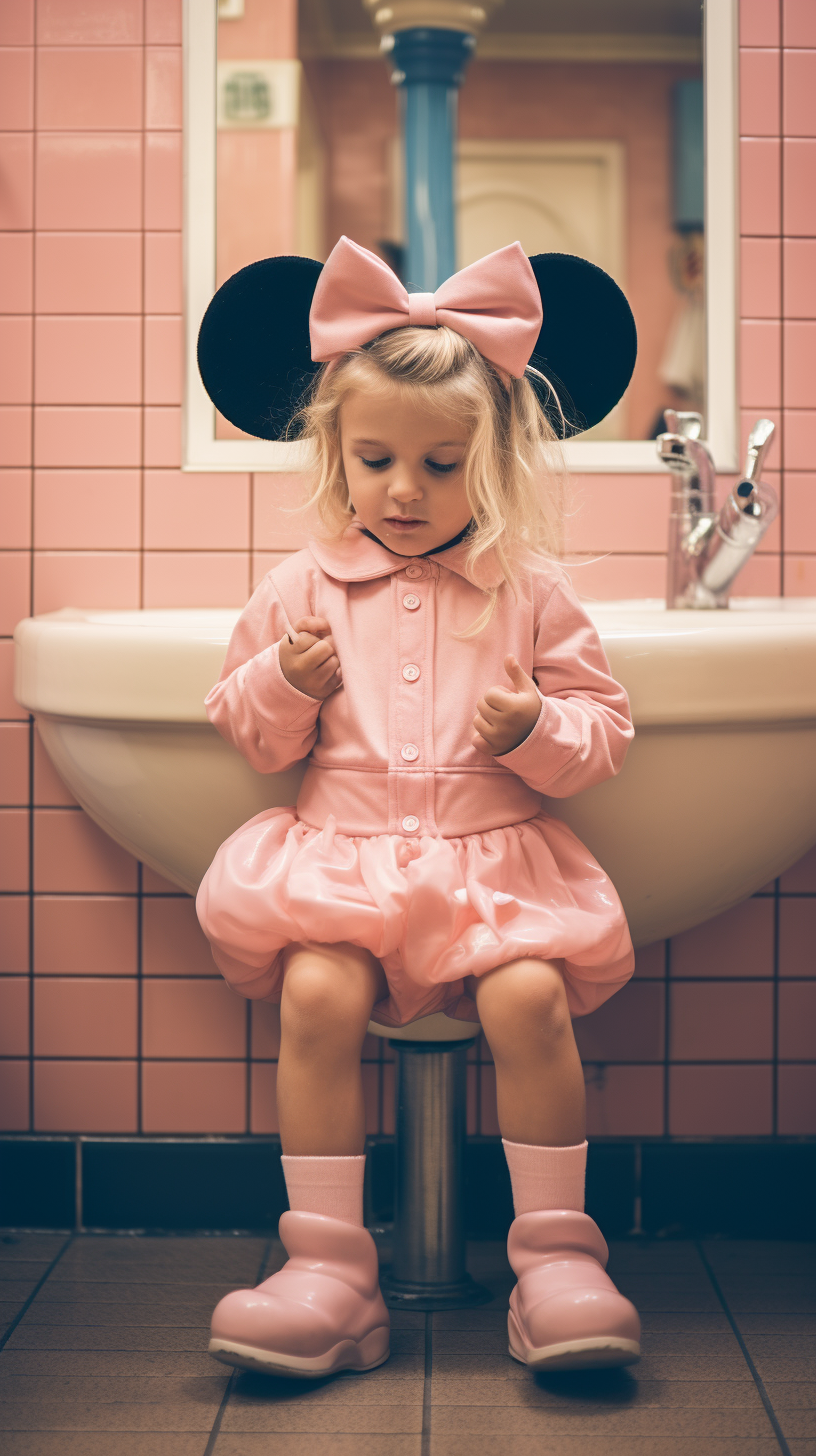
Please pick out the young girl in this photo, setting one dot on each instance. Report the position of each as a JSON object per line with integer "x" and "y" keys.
{"x": 430, "y": 659}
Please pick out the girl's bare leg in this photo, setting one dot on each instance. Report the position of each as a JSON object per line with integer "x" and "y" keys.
{"x": 539, "y": 1082}
{"x": 328, "y": 994}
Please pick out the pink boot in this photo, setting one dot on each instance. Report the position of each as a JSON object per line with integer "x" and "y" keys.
{"x": 320, "y": 1313}
{"x": 565, "y": 1312}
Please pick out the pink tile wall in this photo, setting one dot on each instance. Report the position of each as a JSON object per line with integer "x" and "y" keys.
{"x": 113, "y": 1016}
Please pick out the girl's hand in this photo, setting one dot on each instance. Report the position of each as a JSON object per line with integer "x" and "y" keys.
{"x": 310, "y": 662}
{"x": 506, "y": 716}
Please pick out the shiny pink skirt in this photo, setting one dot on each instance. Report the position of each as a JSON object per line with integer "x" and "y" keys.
{"x": 433, "y": 911}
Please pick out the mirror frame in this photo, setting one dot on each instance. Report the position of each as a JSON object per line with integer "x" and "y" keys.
{"x": 203, "y": 452}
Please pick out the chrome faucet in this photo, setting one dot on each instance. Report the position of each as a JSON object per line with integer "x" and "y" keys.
{"x": 708, "y": 547}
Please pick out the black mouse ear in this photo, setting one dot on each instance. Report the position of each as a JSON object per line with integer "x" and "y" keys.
{"x": 588, "y": 342}
{"x": 254, "y": 353}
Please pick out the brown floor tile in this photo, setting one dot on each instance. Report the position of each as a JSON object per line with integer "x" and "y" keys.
{"x": 166, "y": 1295}
{"x": 678, "y": 1321}
{"x": 802, "y": 1448}
{"x": 651, "y": 1367}
{"x": 798, "y": 1423}
{"x": 248, "y": 1444}
{"x": 496, "y": 1420}
{"x": 480, "y": 1318}
{"x": 762, "y": 1255}
{"x": 654, "y": 1257}
{"x": 17, "y": 1291}
{"x": 595, "y": 1390}
{"x": 77, "y": 1415}
{"x": 605, "y": 1446}
{"x": 793, "y": 1395}
{"x": 60, "y": 1314}
{"x": 752, "y": 1322}
{"x": 9, "y": 1310}
{"x": 656, "y": 1343}
{"x": 104, "y": 1363}
{"x": 108, "y": 1338}
{"x": 769, "y": 1293}
{"x": 257, "y": 1391}
{"x": 784, "y": 1368}
{"x": 797, "y": 1346}
{"x": 44, "y": 1247}
{"x": 293, "y": 1418}
{"x": 15, "y": 1271}
{"x": 98, "y": 1443}
{"x": 131, "y": 1389}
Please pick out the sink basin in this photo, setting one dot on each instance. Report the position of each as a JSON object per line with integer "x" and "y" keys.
{"x": 717, "y": 795}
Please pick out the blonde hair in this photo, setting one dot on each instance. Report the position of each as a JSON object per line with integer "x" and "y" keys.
{"x": 513, "y": 469}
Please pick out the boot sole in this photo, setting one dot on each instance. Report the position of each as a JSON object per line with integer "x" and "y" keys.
{"x": 595, "y": 1353}
{"x": 347, "y": 1355}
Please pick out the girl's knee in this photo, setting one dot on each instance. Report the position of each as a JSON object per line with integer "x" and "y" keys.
{"x": 525, "y": 996}
{"x": 328, "y": 987}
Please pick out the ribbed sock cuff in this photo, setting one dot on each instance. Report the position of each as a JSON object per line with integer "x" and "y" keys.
{"x": 331, "y": 1186}
{"x": 544, "y": 1178}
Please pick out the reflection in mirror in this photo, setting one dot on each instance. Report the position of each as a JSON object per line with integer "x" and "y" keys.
{"x": 580, "y": 131}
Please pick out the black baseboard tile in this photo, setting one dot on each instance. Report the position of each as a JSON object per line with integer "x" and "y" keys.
{"x": 38, "y": 1183}
{"x": 739, "y": 1190}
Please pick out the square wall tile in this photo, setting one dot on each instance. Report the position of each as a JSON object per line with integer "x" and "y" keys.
{"x": 801, "y": 877}
{"x": 760, "y": 185}
{"x": 759, "y": 77}
{"x": 84, "y": 1018}
{"x": 15, "y": 589}
{"x": 91, "y": 22}
{"x": 796, "y": 1101}
{"x": 17, "y": 23}
{"x": 627, "y": 1028}
{"x": 15, "y": 509}
{"x": 163, "y": 88}
{"x": 797, "y": 1021}
{"x": 15, "y": 359}
{"x": 89, "y": 510}
{"x": 173, "y": 943}
{"x": 721, "y": 1021}
{"x": 263, "y": 562}
{"x": 9, "y": 707}
{"x": 49, "y": 790}
{"x": 164, "y": 359}
{"x": 97, "y": 89}
{"x": 192, "y": 1018}
{"x": 16, "y": 272}
{"x": 798, "y": 87}
{"x": 85, "y": 1097}
{"x": 624, "y": 1101}
{"x": 613, "y": 577}
{"x": 163, "y": 22}
{"x": 720, "y": 1101}
{"x": 17, "y": 171}
{"x": 14, "y": 912}
{"x": 760, "y": 277}
{"x": 155, "y": 884}
{"x": 264, "y": 1101}
{"x": 799, "y": 200}
{"x": 186, "y": 512}
{"x": 799, "y": 277}
{"x": 14, "y": 739}
{"x": 759, "y": 22}
{"x": 800, "y": 512}
{"x": 89, "y": 181}
{"x": 16, "y": 88}
{"x": 84, "y": 935}
{"x": 798, "y": 23}
{"x": 800, "y": 432}
{"x": 79, "y": 273}
{"x": 760, "y": 577}
{"x": 650, "y": 961}
{"x": 760, "y": 363}
{"x": 797, "y": 937}
{"x": 15, "y": 434}
{"x": 737, "y": 943}
{"x": 14, "y": 1099}
{"x": 617, "y": 513}
{"x": 162, "y": 436}
{"x": 265, "y": 1029}
{"x": 65, "y": 437}
{"x": 163, "y": 181}
{"x": 275, "y": 528}
{"x": 85, "y": 579}
{"x": 190, "y": 1097}
{"x": 95, "y": 360}
{"x": 73, "y": 855}
{"x": 195, "y": 578}
{"x": 14, "y": 1016}
{"x": 13, "y": 849}
{"x": 163, "y": 273}
{"x": 800, "y": 576}
{"x": 800, "y": 363}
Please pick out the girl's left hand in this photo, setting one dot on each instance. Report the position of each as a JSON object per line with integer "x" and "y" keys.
{"x": 506, "y": 716}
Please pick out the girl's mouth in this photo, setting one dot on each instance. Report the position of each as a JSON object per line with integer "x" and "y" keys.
{"x": 404, "y": 523}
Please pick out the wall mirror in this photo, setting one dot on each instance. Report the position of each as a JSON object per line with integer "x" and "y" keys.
{"x": 606, "y": 128}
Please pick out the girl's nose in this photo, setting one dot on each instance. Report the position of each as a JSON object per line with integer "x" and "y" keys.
{"x": 404, "y": 487}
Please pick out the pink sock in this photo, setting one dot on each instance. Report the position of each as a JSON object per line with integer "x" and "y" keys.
{"x": 546, "y": 1177}
{"x": 332, "y": 1186}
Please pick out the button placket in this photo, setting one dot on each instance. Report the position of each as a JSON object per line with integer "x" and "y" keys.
{"x": 408, "y": 726}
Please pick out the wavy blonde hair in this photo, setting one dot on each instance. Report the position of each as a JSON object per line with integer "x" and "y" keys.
{"x": 513, "y": 467}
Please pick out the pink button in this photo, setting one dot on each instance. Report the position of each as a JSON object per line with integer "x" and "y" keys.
{"x": 409, "y": 751}
{"x": 410, "y": 672}
{"x": 410, "y": 823}
{"x": 411, "y": 602}
{"x": 414, "y": 571}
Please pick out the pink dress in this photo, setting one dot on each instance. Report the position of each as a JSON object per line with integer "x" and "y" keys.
{"x": 406, "y": 839}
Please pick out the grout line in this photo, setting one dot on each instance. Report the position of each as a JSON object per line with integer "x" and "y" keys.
{"x": 233, "y": 1380}
{"x": 35, "y": 1291}
{"x": 427, "y": 1386}
{"x": 757, "y": 1378}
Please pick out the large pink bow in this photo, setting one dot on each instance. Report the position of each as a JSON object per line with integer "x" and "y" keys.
{"x": 495, "y": 303}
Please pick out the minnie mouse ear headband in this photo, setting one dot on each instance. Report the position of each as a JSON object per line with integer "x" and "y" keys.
{"x": 270, "y": 327}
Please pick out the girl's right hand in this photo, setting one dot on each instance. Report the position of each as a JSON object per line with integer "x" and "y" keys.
{"x": 310, "y": 662}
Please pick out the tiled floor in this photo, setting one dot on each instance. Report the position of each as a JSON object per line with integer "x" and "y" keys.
{"x": 105, "y": 1355}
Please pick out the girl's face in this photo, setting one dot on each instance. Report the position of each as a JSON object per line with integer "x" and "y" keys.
{"x": 403, "y": 468}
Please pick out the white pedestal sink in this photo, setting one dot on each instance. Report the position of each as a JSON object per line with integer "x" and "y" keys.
{"x": 717, "y": 796}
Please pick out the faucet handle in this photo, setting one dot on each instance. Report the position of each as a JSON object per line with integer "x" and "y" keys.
{"x": 684, "y": 422}
{"x": 759, "y": 442}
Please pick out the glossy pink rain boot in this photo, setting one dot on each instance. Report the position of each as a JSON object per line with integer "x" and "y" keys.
{"x": 322, "y": 1312}
{"x": 565, "y": 1312}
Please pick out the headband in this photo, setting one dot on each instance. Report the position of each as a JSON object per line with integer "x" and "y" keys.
{"x": 271, "y": 326}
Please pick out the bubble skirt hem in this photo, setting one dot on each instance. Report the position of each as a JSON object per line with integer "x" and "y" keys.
{"x": 433, "y": 911}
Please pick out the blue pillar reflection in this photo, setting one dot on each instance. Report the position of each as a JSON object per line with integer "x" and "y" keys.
{"x": 429, "y": 68}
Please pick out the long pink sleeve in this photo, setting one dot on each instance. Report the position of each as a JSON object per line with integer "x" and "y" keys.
{"x": 585, "y": 727}
{"x": 253, "y": 705}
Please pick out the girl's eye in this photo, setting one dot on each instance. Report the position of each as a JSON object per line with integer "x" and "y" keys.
{"x": 376, "y": 464}
{"x": 441, "y": 469}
